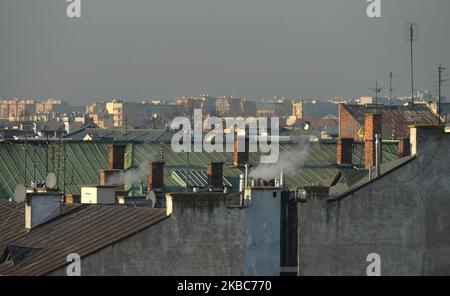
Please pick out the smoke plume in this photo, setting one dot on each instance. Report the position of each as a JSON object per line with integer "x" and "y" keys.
{"x": 130, "y": 176}
{"x": 289, "y": 161}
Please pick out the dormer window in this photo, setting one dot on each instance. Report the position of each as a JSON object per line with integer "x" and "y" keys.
{"x": 16, "y": 254}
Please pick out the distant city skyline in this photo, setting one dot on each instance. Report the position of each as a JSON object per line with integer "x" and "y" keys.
{"x": 140, "y": 49}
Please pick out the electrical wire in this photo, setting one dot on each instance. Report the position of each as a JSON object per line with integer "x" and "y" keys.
{"x": 423, "y": 169}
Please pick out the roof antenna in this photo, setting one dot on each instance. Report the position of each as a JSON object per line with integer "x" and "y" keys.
{"x": 161, "y": 150}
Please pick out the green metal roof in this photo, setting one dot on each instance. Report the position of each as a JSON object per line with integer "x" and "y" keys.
{"x": 82, "y": 164}
{"x": 319, "y": 163}
{"x": 84, "y": 160}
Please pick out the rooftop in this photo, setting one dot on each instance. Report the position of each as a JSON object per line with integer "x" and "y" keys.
{"x": 84, "y": 160}
{"x": 81, "y": 229}
{"x": 130, "y": 135}
{"x": 396, "y": 118}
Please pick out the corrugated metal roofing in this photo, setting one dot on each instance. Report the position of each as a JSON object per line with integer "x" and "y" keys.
{"x": 195, "y": 178}
{"x": 395, "y": 119}
{"x": 84, "y": 161}
{"x": 82, "y": 164}
{"x": 81, "y": 229}
{"x": 319, "y": 162}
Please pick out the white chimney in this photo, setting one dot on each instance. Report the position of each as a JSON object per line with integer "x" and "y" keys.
{"x": 41, "y": 207}
{"x": 102, "y": 194}
{"x": 281, "y": 178}
{"x": 241, "y": 183}
{"x": 378, "y": 154}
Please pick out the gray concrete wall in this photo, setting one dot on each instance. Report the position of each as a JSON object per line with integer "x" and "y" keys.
{"x": 404, "y": 217}
{"x": 202, "y": 237}
{"x": 262, "y": 222}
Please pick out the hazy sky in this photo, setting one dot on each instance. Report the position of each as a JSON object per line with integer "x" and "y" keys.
{"x": 133, "y": 49}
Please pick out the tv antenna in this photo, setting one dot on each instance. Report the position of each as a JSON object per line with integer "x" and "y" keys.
{"x": 377, "y": 90}
{"x": 412, "y": 37}
{"x": 440, "y": 81}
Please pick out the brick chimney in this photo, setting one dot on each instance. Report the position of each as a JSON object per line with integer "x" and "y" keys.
{"x": 215, "y": 176}
{"x": 155, "y": 180}
{"x": 404, "y": 147}
{"x": 372, "y": 126}
{"x": 344, "y": 151}
{"x": 240, "y": 154}
{"x": 116, "y": 156}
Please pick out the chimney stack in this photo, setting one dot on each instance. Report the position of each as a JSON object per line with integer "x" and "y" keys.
{"x": 316, "y": 193}
{"x": 116, "y": 156}
{"x": 41, "y": 207}
{"x": 215, "y": 176}
{"x": 241, "y": 151}
{"x": 372, "y": 126}
{"x": 155, "y": 180}
{"x": 344, "y": 151}
{"x": 404, "y": 147}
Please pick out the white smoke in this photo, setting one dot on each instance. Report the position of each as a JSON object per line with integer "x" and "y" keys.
{"x": 289, "y": 161}
{"x": 130, "y": 176}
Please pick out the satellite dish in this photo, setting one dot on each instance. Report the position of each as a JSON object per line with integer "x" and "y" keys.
{"x": 291, "y": 120}
{"x": 307, "y": 126}
{"x": 20, "y": 193}
{"x": 151, "y": 197}
{"x": 50, "y": 181}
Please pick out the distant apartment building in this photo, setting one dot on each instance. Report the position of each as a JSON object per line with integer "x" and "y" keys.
{"x": 96, "y": 107}
{"x": 276, "y": 108}
{"x": 204, "y": 102}
{"x": 102, "y": 120}
{"x": 52, "y": 106}
{"x": 312, "y": 109}
{"x": 115, "y": 109}
{"x": 99, "y": 115}
{"x": 228, "y": 106}
{"x": 16, "y": 110}
{"x": 143, "y": 114}
{"x": 379, "y": 100}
